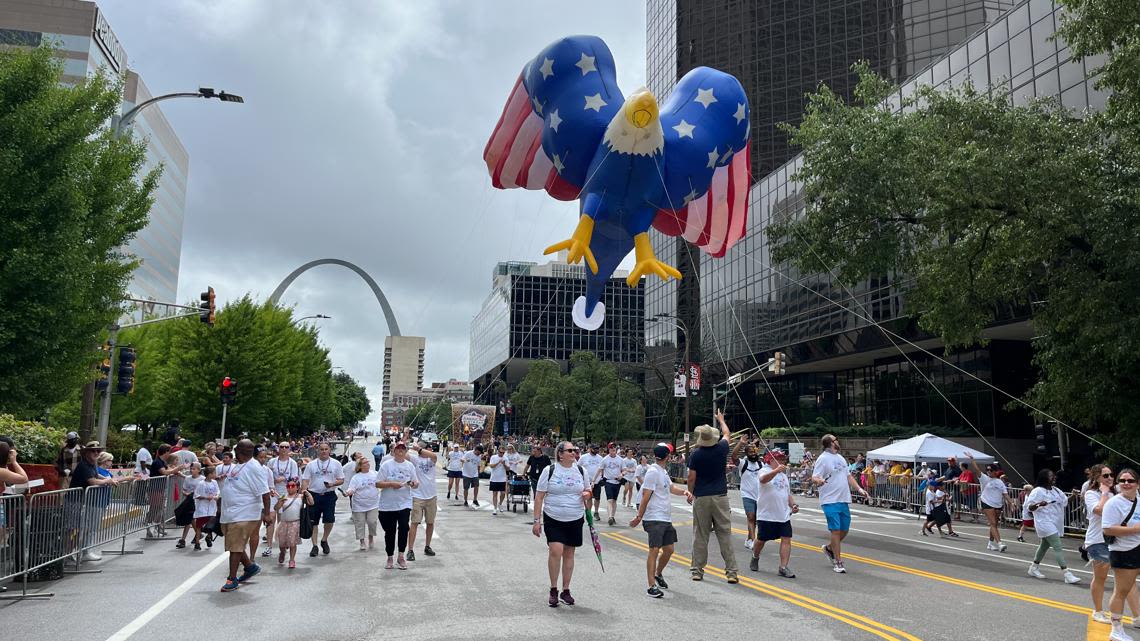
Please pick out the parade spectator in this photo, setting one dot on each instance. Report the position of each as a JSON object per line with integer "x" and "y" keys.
{"x": 968, "y": 490}
{"x": 708, "y": 488}
{"x": 143, "y": 459}
{"x": 11, "y": 473}
{"x": 68, "y": 459}
{"x": 320, "y": 478}
{"x": 86, "y": 474}
{"x": 186, "y": 456}
{"x": 245, "y": 505}
{"x": 364, "y": 502}
{"x": 209, "y": 455}
{"x": 560, "y": 506}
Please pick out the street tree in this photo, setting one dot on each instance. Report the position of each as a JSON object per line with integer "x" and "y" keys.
{"x": 72, "y": 194}
{"x": 421, "y": 417}
{"x": 984, "y": 207}
{"x": 352, "y": 405}
{"x": 591, "y": 401}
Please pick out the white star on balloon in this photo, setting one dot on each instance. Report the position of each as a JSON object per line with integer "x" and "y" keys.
{"x": 705, "y": 97}
{"x": 537, "y": 105}
{"x": 558, "y": 163}
{"x": 739, "y": 115}
{"x": 586, "y": 64}
{"x": 727, "y": 155}
{"x": 691, "y": 196}
{"x": 555, "y": 120}
{"x": 547, "y": 68}
{"x": 714, "y": 155}
{"x": 684, "y": 129}
{"x": 595, "y": 102}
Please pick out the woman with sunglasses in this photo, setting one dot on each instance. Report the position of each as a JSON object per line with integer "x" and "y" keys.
{"x": 1099, "y": 490}
{"x": 1120, "y": 519}
{"x": 560, "y": 504}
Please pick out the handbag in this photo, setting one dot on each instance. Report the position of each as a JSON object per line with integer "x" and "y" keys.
{"x": 1112, "y": 539}
{"x": 305, "y": 528}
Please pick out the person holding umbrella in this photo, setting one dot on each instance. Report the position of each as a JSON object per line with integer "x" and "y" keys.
{"x": 561, "y": 500}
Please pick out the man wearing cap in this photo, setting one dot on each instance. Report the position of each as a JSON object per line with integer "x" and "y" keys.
{"x": 654, "y": 514}
{"x": 86, "y": 474}
{"x": 708, "y": 489}
{"x": 245, "y": 506}
{"x": 774, "y": 510}
{"x": 68, "y": 458}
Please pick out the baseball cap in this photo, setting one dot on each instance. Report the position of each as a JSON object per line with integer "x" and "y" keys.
{"x": 72, "y": 435}
{"x": 662, "y": 450}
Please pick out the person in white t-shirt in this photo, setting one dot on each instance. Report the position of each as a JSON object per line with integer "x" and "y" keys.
{"x": 1120, "y": 519}
{"x": 1099, "y": 490}
{"x": 320, "y": 478}
{"x": 560, "y": 502}
{"x": 937, "y": 514}
{"x": 245, "y": 506}
{"x": 774, "y": 510}
{"x": 628, "y": 477}
{"x": 397, "y": 478}
{"x": 454, "y": 470}
{"x": 639, "y": 478}
{"x": 424, "y": 498}
{"x": 205, "y": 506}
{"x": 592, "y": 462}
{"x": 1047, "y": 504}
{"x": 288, "y": 510}
{"x": 364, "y": 501}
{"x": 143, "y": 460}
{"x": 470, "y": 462}
{"x": 835, "y": 480}
{"x": 610, "y": 473}
{"x": 994, "y": 495}
{"x": 513, "y": 461}
{"x": 498, "y": 466}
{"x": 749, "y": 488}
{"x": 655, "y": 515}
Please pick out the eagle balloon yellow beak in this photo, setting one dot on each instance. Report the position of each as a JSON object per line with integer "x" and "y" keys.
{"x": 641, "y": 109}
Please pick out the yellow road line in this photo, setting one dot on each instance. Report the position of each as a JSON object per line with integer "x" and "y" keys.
{"x": 863, "y": 623}
{"x": 981, "y": 587}
{"x": 1097, "y": 631}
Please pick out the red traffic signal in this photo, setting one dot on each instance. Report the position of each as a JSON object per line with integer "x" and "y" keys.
{"x": 227, "y": 382}
{"x": 229, "y": 390}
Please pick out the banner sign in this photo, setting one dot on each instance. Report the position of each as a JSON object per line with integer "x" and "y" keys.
{"x": 471, "y": 421}
{"x": 679, "y": 385}
{"x": 694, "y": 372}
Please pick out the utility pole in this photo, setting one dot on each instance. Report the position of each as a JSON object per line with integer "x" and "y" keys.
{"x": 105, "y": 405}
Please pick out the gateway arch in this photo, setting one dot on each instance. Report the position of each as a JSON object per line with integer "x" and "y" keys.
{"x": 393, "y": 327}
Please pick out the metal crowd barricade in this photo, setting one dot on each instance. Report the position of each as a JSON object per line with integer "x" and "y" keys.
{"x": 51, "y": 529}
{"x": 14, "y": 544}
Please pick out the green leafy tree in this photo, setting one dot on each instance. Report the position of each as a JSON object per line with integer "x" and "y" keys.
{"x": 1110, "y": 28}
{"x": 985, "y": 206}
{"x": 71, "y": 196}
{"x": 592, "y": 401}
{"x": 421, "y": 417}
{"x": 352, "y": 405}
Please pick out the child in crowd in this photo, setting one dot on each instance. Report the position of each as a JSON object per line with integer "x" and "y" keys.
{"x": 289, "y": 522}
{"x": 206, "y": 495}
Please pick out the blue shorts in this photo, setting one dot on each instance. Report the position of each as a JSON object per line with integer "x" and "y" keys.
{"x": 838, "y": 516}
{"x": 323, "y": 508}
{"x": 749, "y": 505}
{"x": 1098, "y": 552}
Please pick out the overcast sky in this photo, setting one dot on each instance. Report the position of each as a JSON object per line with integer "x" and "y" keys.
{"x": 361, "y": 138}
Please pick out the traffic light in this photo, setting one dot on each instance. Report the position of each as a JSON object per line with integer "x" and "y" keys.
{"x": 126, "y": 375}
{"x": 778, "y": 364}
{"x": 1046, "y": 436}
{"x": 103, "y": 381}
{"x": 208, "y": 307}
{"x": 229, "y": 390}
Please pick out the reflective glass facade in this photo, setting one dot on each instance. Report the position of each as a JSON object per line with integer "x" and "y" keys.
{"x": 844, "y": 368}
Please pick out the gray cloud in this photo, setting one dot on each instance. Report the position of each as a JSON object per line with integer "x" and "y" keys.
{"x": 361, "y": 138}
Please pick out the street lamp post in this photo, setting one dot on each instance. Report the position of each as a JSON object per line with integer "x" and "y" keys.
{"x": 203, "y": 92}
{"x": 308, "y": 317}
{"x": 679, "y": 324}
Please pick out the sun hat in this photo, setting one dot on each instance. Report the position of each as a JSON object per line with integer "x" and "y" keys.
{"x": 706, "y": 436}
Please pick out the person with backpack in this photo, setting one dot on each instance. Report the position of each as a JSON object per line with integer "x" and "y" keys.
{"x": 749, "y": 487}
{"x": 562, "y": 498}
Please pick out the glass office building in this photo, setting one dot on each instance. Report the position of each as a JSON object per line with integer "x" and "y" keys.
{"x": 526, "y": 317}
{"x": 843, "y": 368}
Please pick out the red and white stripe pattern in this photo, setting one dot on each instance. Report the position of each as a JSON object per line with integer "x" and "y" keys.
{"x": 719, "y": 219}
{"x": 514, "y": 154}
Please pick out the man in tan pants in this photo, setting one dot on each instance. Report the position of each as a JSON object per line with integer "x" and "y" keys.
{"x": 708, "y": 490}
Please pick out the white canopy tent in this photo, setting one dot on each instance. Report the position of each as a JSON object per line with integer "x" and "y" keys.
{"x": 926, "y": 448}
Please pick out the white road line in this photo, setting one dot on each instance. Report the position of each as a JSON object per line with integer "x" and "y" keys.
{"x": 882, "y": 515}
{"x": 134, "y": 626}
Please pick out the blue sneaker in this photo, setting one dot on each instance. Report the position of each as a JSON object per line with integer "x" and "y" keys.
{"x": 251, "y": 571}
{"x": 231, "y": 585}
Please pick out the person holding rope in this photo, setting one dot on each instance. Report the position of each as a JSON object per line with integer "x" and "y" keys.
{"x": 774, "y": 510}
{"x": 835, "y": 483}
{"x": 654, "y": 513}
{"x": 749, "y": 486}
{"x": 994, "y": 496}
{"x": 708, "y": 490}
{"x": 560, "y": 506}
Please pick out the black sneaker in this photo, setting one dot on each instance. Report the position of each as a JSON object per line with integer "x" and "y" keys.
{"x": 828, "y": 552}
{"x": 428, "y": 551}
{"x": 661, "y": 582}
{"x": 754, "y": 565}
{"x": 465, "y": 504}
{"x": 475, "y": 503}
{"x": 315, "y": 551}
{"x": 180, "y": 544}
{"x": 553, "y": 600}
{"x": 786, "y": 573}
{"x": 325, "y": 547}
{"x": 566, "y": 598}
{"x": 612, "y": 520}
{"x": 197, "y": 546}
{"x": 654, "y": 593}
{"x": 411, "y": 555}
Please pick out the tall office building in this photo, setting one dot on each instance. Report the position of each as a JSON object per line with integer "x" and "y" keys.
{"x": 86, "y": 43}
{"x": 397, "y": 405}
{"x": 403, "y": 365}
{"x": 843, "y": 369}
{"x": 526, "y": 318}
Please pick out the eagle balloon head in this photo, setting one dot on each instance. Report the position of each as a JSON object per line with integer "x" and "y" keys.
{"x": 636, "y": 128}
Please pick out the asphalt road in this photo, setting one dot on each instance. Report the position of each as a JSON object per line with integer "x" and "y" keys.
{"x": 489, "y": 580}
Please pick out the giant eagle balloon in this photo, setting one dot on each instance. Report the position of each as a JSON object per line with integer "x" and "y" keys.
{"x": 681, "y": 166}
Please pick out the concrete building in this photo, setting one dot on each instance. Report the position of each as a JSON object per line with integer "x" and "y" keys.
{"x": 403, "y": 365}
{"x": 87, "y": 44}
{"x": 396, "y": 408}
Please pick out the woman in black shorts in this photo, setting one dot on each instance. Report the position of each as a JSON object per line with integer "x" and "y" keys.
{"x": 561, "y": 500}
{"x": 1120, "y": 520}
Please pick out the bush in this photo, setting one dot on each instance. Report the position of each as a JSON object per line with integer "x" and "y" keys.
{"x": 885, "y": 430}
{"x": 36, "y": 444}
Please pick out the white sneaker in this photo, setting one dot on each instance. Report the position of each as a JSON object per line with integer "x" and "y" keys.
{"x": 1100, "y": 616}
{"x": 494, "y": 511}
{"x": 990, "y": 545}
{"x": 1071, "y": 578}
{"x": 748, "y": 544}
{"x": 1035, "y": 572}
{"x": 1002, "y": 547}
{"x": 92, "y": 555}
{"x": 363, "y": 547}
{"x": 1119, "y": 635}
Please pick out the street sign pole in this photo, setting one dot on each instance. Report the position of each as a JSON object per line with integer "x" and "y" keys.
{"x": 224, "y": 407}
{"x": 105, "y": 404}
